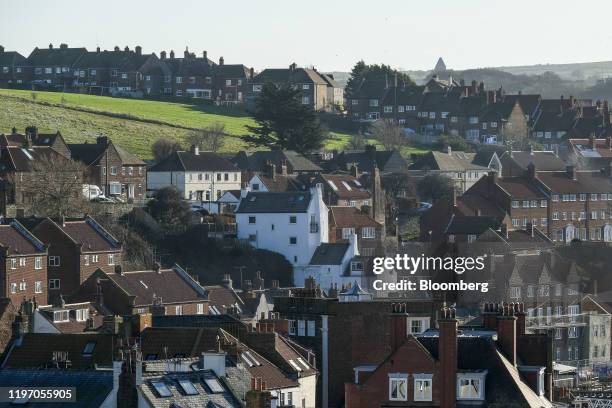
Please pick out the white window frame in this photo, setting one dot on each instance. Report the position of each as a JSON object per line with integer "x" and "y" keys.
{"x": 401, "y": 379}
{"x": 423, "y": 379}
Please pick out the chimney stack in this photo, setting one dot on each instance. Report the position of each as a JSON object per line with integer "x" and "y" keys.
{"x": 162, "y": 55}
{"x": 63, "y": 46}
{"x": 399, "y": 328}
{"x": 138, "y": 50}
{"x": 221, "y": 61}
{"x": 506, "y": 332}
{"x": 354, "y": 170}
{"x": 571, "y": 172}
{"x": 171, "y": 54}
{"x": 447, "y": 353}
{"x": 531, "y": 170}
{"x": 195, "y": 150}
{"x": 227, "y": 281}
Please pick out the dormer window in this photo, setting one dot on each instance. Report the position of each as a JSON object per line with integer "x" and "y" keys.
{"x": 398, "y": 387}
{"x": 356, "y": 266}
{"x": 470, "y": 386}
{"x": 61, "y": 316}
{"x": 422, "y": 387}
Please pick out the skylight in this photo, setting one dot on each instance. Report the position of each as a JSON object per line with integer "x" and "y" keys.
{"x": 89, "y": 348}
{"x": 214, "y": 385}
{"x": 248, "y": 353}
{"x": 28, "y": 155}
{"x": 188, "y": 387}
{"x": 294, "y": 365}
{"x": 303, "y": 363}
{"x": 161, "y": 388}
{"x": 345, "y": 184}
{"x": 246, "y": 360}
{"x": 144, "y": 284}
{"x": 332, "y": 185}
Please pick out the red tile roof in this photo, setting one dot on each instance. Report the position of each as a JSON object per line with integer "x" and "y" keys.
{"x": 350, "y": 217}
{"x": 585, "y": 182}
{"x": 345, "y": 186}
{"x": 19, "y": 241}
{"x": 519, "y": 187}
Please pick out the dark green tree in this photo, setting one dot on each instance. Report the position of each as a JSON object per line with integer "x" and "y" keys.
{"x": 434, "y": 187}
{"x": 169, "y": 209}
{"x": 284, "y": 122}
{"x": 382, "y": 73}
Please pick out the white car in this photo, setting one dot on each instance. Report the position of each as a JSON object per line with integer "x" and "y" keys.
{"x": 92, "y": 192}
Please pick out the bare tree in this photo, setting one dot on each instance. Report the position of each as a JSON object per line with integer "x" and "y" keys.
{"x": 209, "y": 138}
{"x": 389, "y": 134}
{"x": 163, "y": 148}
{"x": 53, "y": 187}
{"x": 356, "y": 142}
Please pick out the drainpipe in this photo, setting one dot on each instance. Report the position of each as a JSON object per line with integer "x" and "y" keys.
{"x": 325, "y": 362}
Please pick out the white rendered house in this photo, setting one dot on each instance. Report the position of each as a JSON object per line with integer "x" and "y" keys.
{"x": 292, "y": 224}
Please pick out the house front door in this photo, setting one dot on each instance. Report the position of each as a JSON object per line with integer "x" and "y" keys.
{"x": 131, "y": 191}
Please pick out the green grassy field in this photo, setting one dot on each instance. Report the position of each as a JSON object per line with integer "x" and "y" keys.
{"x": 132, "y": 123}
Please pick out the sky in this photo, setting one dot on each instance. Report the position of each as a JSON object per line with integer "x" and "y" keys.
{"x": 328, "y": 34}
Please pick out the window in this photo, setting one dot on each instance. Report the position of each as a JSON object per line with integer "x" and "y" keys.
{"x": 572, "y": 332}
{"x": 179, "y": 80}
{"x": 388, "y": 109}
{"x": 188, "y": 387}
{"x": 594, "y": 197}
{"x": 368, "y": 232}
{"x": 558, "y": 333}
{"x": 54, "y": 260}
{"x": 111, "y": 259}
{"x": 515, "y": 204}
{"x": 292, "y": 327}
{"x": 54, "y": 283}
{"x": 178, "y": 310}
{"x": 544, "y": 290}
{"x": 200, "y": 307}
{"x": 252, "y": 220}
{"x": 292, "y": 219}
{"x": 301, "y": 327}
{"x": 305, "y": 100}
{"x": 373, "y": 102}
{"x": 13, "y": 263}
{"x": 162, "y": 389}
{"x": 422, "y": 387}
{"x": 292, "y": 240}
{"x": 347, "y": 232}
{"x": 469, "y": 387}
{"x": 60, "y": 316}
{"x": 311, "y": 328}
{"x": 555, "y": 197}
{"x": 526, "y": 204}
{"x": 95, "y": 258}
{"x": 256, "y": 88}
{"x": 530, "y": 291}
{"x": 38, "y": 287}
{"x": 515, "y": 292}
{"x": 398, "y": 387}
{"x": 13, "y": 287}
{"x": 82, "y": 315}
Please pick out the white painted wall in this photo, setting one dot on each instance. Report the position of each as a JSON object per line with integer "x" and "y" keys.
{"x": 307, "y": 391}
{"x": 192, "y": 182}
{"x": 277, "y": 239}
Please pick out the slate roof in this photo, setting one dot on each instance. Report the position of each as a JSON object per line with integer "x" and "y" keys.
{"x": 329, "y": 253}
{"x": 191, "y": 66}
{"x": 371, "y": 90}
{"x": 586, "y": 182}
{"x": 52, "y": 57}
{"x": 281, "y": 183}
{"x": 19, "y": 159}
{"x": 543, "y": 160}
{"x": 204, "y": 396}
{"x": 456, "y": 161}
{"x": 188, "y": 161}
{"x": 528, "y": 102}
{"x": 583, "y": 148}
{"x": 440, "y": 102}
{"x": 287, "y": 75}
{"x": 498, "y": 111}
{"x": 519, "y": 188}
{"x": 91, "y": 153}
{"x": 472, "y": 105}
{"x": 547, "y": 121}
{"x": 285, "y": 202}
{"x": 92, "y": 387}
{"x": 222, "y": 298}
{"x": 340, "y": 182}
{"x": 341, "y": 216}
{"x": 404, "y": 95}
{"x": 36, "y": 350}
{"x": 257, "y": 161}
{"x": 232, "y": 71}
{"x": 105, "y": 59}
{"x": 19, "y": 241}
{"x": 11, "y": 58}
{"x": 167, "y": 285}
{"x": 366, "y": 160}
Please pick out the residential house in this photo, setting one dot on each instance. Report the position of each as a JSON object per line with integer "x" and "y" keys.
{"x": 588, "y": 154}
{"x": 335, "y": 93}
{"x": 345, "y": 221}
{"x": 515, "y": 163}
{"x": 158, "y": 291}
{"x": 12, "y": 74}
{"x": 286, "y": 162}
{"x": 308, "y": 80}
{"x": 503, "y": 123}
{"x": 77, "y": 248}
{"x": 189, "y": 76}
{"x": 343, "y": 190}
{"x": 364, "y": 104}
{"x": 528, "y": 102}
{"x": 292, "y": 224}
{"x": 117, "y": 172}
{"x": 65, "y": 317}
{"x": 344, "y": 334}
{"x": 23, "y": 270}
{"x": 52, "y": 68}
{"x": 460, "y": 167}
{"x": 448, "y": 367}
{"x": 270, "y": 180}
{"x": 387, "y": 161}
{"x": 231, "y": 82}
{"x": 198, "y": 176}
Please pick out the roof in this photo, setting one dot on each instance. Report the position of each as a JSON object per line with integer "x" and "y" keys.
{"x": 287, "y": 75}
{"x": 10, "y": 58}
{"x": 455, "y": 161}
{"x": 73, "y": 325}
{"x": 92, "y": 387}
{"x": 52, "y": 57}
{"x": 86, "y": 232}
{"x": 583, "y": 148}
{"x": 119, "y": 59}
{"x": 329, "y": 253}
{"x": 542, "y": 160}
{"x": 284, "y": 202}
{"x": 345, "y": 186}
{"x": 258, "y": 161}
{"x": 221, "y": 299}
{"x": 473, "y": 225}
{"x": 189, "y": 161}
{"x": 14, "y": 158}
{"x": 190, "y": 66}
{"x": 528, "y": 102}
{"x": 281, "y": 182}
{"x": 168, "y": 286}
{"x": 554, "y": 121}
{"x": 350, "y": 217}
{"x": 519, "y": 187}
{"x": 37, "y": 350}
{"x": 366, "y": 160}
{"x": 19, "y": 241}
{"x": 403, "y": 95}
{"x": 202, "y": 396}
{"x": 585, "y": 182}
{"x": 91, "y": 153}
{"x": 232, "y": 70}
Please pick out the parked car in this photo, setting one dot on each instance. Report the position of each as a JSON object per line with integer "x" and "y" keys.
{"x": 91, "y": 192}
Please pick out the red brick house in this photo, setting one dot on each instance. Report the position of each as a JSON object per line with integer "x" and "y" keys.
{"x": 52, "y": 68}
{"x": 11, "y": 70}
{"x": 344, "y": 190}
{"x": 495, "y": 364}
{"x": 77, "y": 248}
{"x": 344, "y": 221}
{"x": 159, "y": 291}
{"x": 23, "y": 269}
{"x": 231, "y": 82}
{"x": 117, "y": 172}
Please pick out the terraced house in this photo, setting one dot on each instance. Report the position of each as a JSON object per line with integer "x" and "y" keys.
{"x": 52, "y": 68}
{"x": 11, "y": 68}
{"x": 189, "y": 76}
